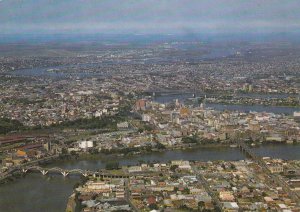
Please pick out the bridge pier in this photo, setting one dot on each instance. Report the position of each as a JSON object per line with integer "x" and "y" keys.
{"x": 44, "y": 172}
{"x": 64, "y": 173}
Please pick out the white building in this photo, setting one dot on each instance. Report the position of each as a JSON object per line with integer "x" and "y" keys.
{"x": 297, "y": 116}
{"x": 86, "y": 144}
{"x": 123, "y": 125}
{"x": 146, "y": 118}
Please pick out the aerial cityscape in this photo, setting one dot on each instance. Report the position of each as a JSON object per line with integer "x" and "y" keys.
{"x": 151, "y": 105}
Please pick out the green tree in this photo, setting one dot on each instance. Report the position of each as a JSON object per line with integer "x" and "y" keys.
{"x": 64, "y": 151}
{"x": 8, "y": 125}
{"x": 201, "y": 205}
{"x": 173, "y": 168}
{"x": 112, "y": 165}
{"x": 160, "y": 145}
{"x": 153, "y": 206}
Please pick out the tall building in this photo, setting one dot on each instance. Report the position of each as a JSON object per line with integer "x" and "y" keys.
{"x": 141, "y": 104}
{"x": 297, "y": 116}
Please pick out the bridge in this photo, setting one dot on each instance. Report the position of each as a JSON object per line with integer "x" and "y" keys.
{"x": 181, "y": 92}
{"x": 32, "y": 166}
{"x": 19, "y": 167}
{"x": 248, "y": 151}
{"x": 275, "y": 178}
{"x": 66, "y": 172}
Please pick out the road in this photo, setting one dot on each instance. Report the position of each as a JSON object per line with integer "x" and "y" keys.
{"x": 205, "y": 184}
{"x": 127, "y": 196}
{"x": 275, "y": 177}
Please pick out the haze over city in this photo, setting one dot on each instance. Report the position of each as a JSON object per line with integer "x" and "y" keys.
{"x": 148, "y": 16}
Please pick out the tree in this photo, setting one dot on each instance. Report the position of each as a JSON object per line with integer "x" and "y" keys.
{"x": 64, "y": 151}
{"x": 201, "y": 205}
{"x": 94, "y": 151}
{"x": 173, "y": 168}
{"x": 153, "y": 206}
{"x": 8, "y": 125}
{"x": 112, "y": 165}
{"x": 141, "y": 162}
{"x": 160, "y": 145}
{"x": 73, "y": 153}
{"x": 186, "y": 191}
{"x": 184, "y": 207}
{"x": 190, "y": 140}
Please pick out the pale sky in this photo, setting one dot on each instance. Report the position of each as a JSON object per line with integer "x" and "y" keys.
{"x": 149, "y": 16}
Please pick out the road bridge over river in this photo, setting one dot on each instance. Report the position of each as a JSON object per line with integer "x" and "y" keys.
{"x": 30, "y": 163}
{"x": 274, "y": 177}
{"x": 32, "y": 166}
{"x": 66, "y": 172}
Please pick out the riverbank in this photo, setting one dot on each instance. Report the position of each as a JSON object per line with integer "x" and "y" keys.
{"x": 187, "y": 146}
{"x": 51, "y": 192}
{"x": 87, "y": 161}
{"x": 234, "y": 105}
{"x": 103, "y": 157}
{"x": 85, "y": 155}
{"x": 264, "y": 104}
{"x": 71, "y": 205}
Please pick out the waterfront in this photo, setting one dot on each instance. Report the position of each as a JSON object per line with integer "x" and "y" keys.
{"x": 257, "y": 108}
{"x": 234, "y": 107}
{"x": 34, "y": 193}
{"x": 201, "y": 154}
{"x": 91, "y": 69}
{"x": 284, "y": 151}
{"x": 56, "y": 72}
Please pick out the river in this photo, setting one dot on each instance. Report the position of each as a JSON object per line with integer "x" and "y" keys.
{"x": 35, "y": 192}
{"x": 75, "y": 70}
{"x": 241, "y": 108}
{"x": 56, "y": 72}
{"x": 257, "y": 108}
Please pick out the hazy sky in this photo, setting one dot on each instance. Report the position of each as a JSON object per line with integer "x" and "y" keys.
{"x": 149, "y": 16}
